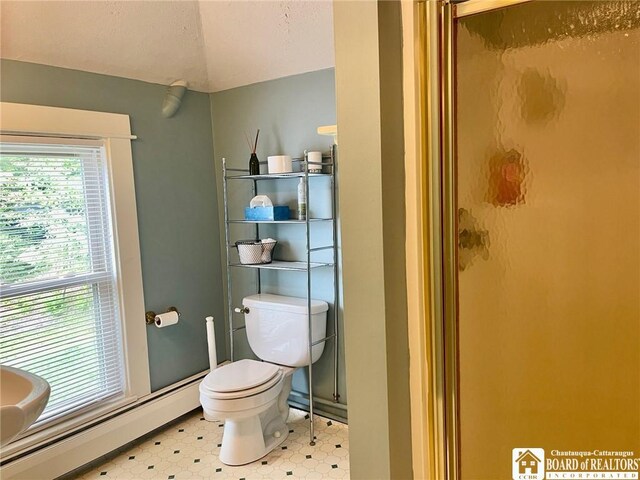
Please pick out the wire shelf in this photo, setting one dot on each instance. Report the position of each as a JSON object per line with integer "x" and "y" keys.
{"x": 283, "y": 265}
{"x": 305, "y": 266}
{"x": 273, "y": 176}
{"x": 295, "y": 222}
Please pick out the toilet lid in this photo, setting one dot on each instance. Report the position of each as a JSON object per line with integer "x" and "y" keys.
{"x": 240, "y": 375}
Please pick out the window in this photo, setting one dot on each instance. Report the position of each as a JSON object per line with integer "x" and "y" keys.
{"x": 59, "y": 308}
{"x": 71, "y": 297}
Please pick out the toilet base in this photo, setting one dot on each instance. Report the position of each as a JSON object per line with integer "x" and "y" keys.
{"x": 210, "y": 418}
{"x": 244, "y": 440}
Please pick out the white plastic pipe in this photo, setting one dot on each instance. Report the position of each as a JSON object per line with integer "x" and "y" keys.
{"x": 211, "y": 341}
{"x": 173, "y": 98}
{"x": 213, "y": 359}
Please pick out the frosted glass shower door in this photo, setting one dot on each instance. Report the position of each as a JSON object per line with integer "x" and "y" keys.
{"x": 547, "y": 122}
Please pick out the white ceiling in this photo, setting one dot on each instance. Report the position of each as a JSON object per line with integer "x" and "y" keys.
{"x": 214, "y": 45}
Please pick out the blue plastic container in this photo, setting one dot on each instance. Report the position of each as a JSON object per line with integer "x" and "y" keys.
{"x": 277, "y": 212}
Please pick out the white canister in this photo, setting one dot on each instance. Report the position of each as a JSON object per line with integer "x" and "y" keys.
{"x": 314, "y": 159}
{"x": 279, "y": 164}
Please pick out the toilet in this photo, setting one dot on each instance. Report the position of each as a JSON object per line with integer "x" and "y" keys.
{"x": 251, "y": 395}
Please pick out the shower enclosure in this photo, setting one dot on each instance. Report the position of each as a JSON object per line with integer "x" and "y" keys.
{"x": 535, "y": 216}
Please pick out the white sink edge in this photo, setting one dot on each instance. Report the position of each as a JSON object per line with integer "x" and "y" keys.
{"x": 18, "y": 417}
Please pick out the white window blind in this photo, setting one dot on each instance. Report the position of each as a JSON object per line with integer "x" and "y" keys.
{"x": 59, "y": 315}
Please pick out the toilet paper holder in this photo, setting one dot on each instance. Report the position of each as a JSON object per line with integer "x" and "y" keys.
{"x": 150, "y": 317}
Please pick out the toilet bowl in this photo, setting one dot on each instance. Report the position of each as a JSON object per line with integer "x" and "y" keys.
{"x": 251, "y": 395}
{"x": 252, "y": 398}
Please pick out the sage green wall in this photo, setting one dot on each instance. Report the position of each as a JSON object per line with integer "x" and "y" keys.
{"x": 288, "y": 112}
{"x": 370, "y": 125}
{"x": 175, "y": 195}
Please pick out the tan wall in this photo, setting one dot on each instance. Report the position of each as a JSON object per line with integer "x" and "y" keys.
{"x": 369, "y": 112}
{"x": 550, "y": 320}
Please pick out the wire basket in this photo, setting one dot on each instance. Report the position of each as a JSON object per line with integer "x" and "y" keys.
{"x": 255, "y": 252}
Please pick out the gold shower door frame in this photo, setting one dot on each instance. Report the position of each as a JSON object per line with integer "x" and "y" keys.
{"x": 439, "y": 200}
{"x": 439, "y": 246}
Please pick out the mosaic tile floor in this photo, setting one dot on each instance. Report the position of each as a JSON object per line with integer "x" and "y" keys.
{"x": 189, "y": 449}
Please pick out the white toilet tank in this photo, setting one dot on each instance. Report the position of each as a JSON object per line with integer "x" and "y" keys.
{"x": 278, "y": 329}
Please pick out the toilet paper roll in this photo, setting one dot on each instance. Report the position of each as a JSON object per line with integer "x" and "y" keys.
{"x": 279, "y": 164}
{"x": 166, "y": 319}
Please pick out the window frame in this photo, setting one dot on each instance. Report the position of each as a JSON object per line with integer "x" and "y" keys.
{"x": 22, "y": 120}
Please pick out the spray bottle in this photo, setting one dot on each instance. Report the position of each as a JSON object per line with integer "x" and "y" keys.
{"x": 302, "y": 200}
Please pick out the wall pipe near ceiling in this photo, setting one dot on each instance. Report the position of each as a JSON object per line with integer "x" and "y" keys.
{"x": 173, "y": 98}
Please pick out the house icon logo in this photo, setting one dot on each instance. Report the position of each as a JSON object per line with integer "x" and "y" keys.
{"x": 528, "y": 463}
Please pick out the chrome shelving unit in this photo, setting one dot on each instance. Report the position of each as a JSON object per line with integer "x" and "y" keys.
{"x": 306, "y": 265}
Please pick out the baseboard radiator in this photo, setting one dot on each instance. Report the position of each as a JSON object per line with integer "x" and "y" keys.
{"x": 57, "y": 458}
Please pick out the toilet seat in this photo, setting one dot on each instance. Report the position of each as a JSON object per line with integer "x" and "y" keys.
{"x": 241, "y": 379}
